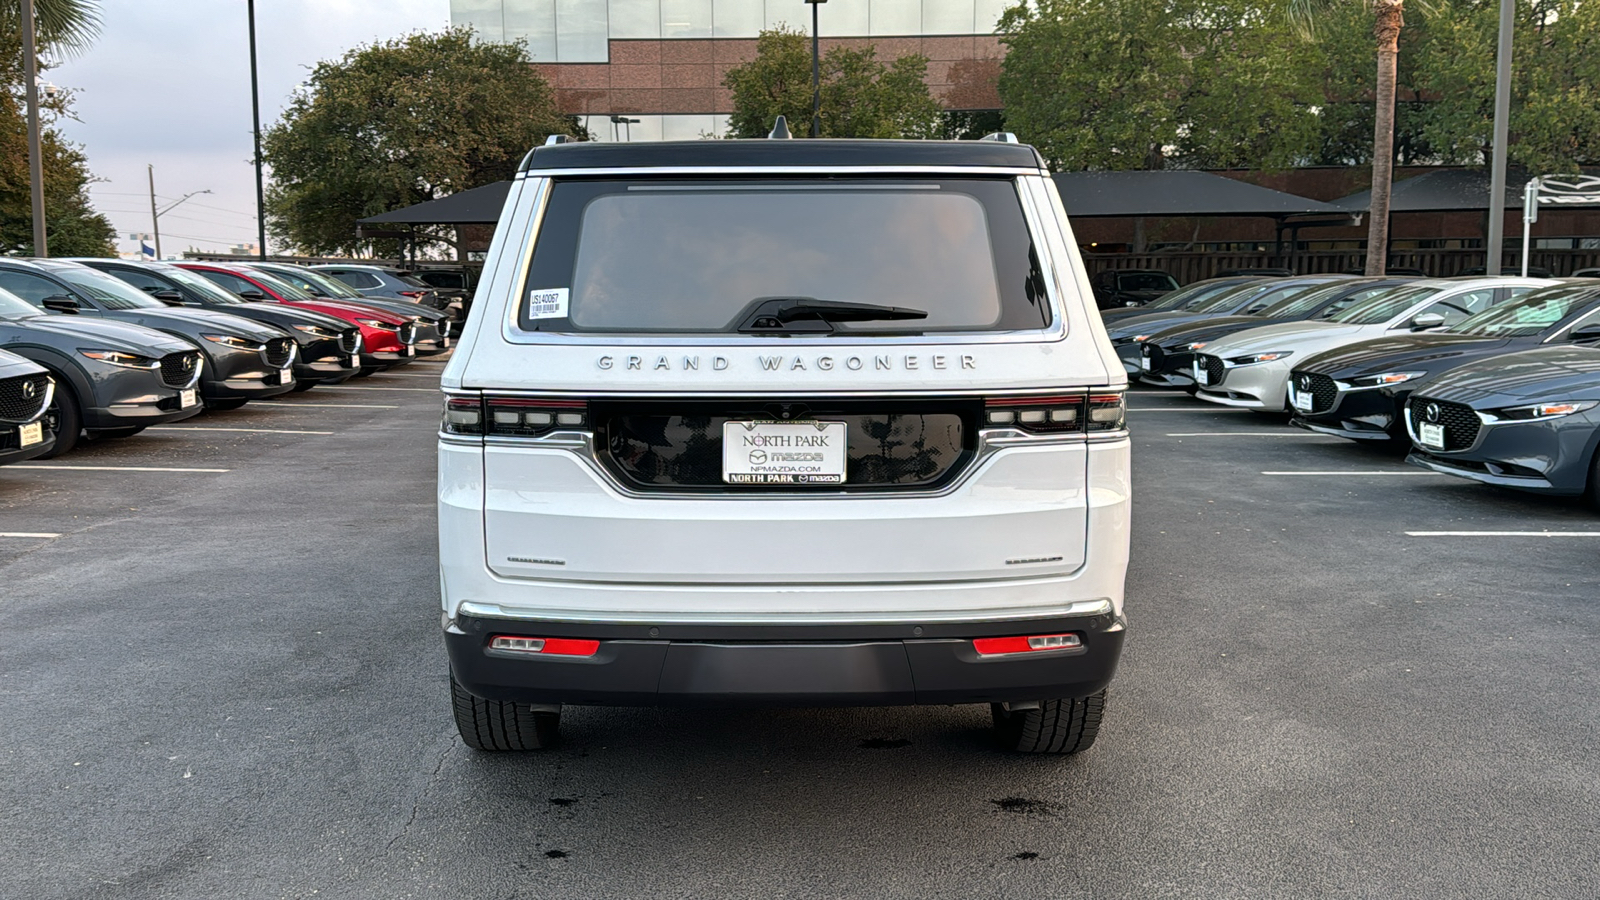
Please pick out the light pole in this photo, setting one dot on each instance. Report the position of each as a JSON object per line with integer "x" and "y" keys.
{"x": 156, "y": 214}
{"x": 255, "y": 118}
{"x": 626, "y": 124}
{"x": 816, "y": 73}
{"x": 30, "y": 74}
{"x": 1502, "y": 114}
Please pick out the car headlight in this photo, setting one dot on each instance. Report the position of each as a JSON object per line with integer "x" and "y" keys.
{"x": 118, "y": 358}
{"x": 1195, "y": 346}
{"x": 231, "y": 341}
{"x": 1542, "y": 410}
{"x": 1261, "y": 357}
{"x": 374, "y": 323}
{"x": 1387, "y": 378}
{"x": 317, "y": 330}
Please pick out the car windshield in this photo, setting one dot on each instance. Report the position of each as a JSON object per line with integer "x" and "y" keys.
{"x": 1526, "y": 315}
{"x": 1302, "y": 300}
{"x": 1184, "y": 297}
{"x": 107, "y": 290}
{"x": 14, "y": 307}
{"x": 1146, "y": 281}
{"x": 1230, "y": 298}
{"x": 677, "y": 256}
{"x": 412, "y": 280}
{"x": 1303, "y": 305}
{"x": 280, "y": 287}
{"x": 305, "y": 279}
{"x": 205, "y": 288}
{"x": 1384, "y": 306}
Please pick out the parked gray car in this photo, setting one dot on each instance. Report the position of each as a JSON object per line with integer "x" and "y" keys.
{"x": 434, "y": 326}
{"x": 26, "y": 391}
{"x": 384, "y": 281}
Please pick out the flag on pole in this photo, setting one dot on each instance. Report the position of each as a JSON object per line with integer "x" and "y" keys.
{"x": 147, "y": 250}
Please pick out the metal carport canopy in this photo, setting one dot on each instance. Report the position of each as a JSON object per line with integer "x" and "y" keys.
{"x": 1179, "y": 193}
{"x": 1450, "y": 190}
{"x": 476, "y": 206}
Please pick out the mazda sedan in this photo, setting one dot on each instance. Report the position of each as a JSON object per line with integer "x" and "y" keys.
{"x": 1250, "y": 369}
{"x": 1359, "y": 391}
{"x": 1528, "y": 420}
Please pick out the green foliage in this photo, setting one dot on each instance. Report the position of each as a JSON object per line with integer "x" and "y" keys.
{"x": 397, "y": 123}
{"x": 1136, "y": 84}
{"x": 862, "y": 97}
{"x": 64, "y": 27}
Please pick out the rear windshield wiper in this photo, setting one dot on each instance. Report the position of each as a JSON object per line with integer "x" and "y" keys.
{"x": 791, "y": 315}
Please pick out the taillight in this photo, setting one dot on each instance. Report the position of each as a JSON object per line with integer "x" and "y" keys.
{"x": 463, "y": 415}
{"x": 412, "y": 294}
{"x": 1065, "y": 414}
{"x": 1001, "y": 646}
{"x": 530, "y": 417}
{"x": 513, "y": 643}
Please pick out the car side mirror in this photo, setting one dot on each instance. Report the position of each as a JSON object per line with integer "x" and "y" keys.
{"x": 168, "y": 296}
{"x": 252, "y": 294}
{"x": 1426, "y": 321}
{"x": 60, "y": 303}
{"x": 1586, "y": 333}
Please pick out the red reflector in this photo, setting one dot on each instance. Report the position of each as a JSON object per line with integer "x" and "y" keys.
{"x": 411, "y": 293}
{"x": 1027, "y": 644}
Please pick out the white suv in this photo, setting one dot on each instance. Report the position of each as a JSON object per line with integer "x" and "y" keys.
{"x": 799, "y": 422}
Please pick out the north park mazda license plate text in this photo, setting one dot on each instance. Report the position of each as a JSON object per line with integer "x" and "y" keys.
{"x": 783, "y": 452}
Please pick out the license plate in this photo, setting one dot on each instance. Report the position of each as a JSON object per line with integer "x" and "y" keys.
{"x": 286, "y": 376}
{"x": 444, "y": 341}
{"x": 410, "y": 350}
{"x": 1144, "y": 363}
{"x": 187, "y": 398}
{"x": 31, "y": 434}
{"x": 763, "y": 452}
{"x": 1202, "y": 375}
{"x": 1302, "y": 401}
{"x": 1431, "y": 436}
{"x": 355, "y": 361}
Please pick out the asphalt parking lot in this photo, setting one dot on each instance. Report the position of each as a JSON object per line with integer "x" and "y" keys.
{"x": 221, "y": 676}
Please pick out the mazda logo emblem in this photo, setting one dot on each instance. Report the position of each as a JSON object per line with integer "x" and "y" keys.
{"x": 1432, "y": 412}
{"x": 29, "y": 390}
{"x": 1305, "y": 382}
{"x": 188, "y": 363}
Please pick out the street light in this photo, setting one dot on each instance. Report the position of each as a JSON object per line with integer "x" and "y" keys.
{"x": 156, "y": 214}
{"x": 625, "y": 122}
{"x": 30, "y": 75}
{"x": 255, "y": 114}
{"x": 816, "y": 73}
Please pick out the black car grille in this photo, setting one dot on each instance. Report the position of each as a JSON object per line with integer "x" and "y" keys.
{"x": 1460, "y": 422}
{"x": 1213, "y": 366}
{"x": 350, "y": 340}
{"x": 22, "y": 397}
{"x": 1322, "y": 389}
{"x": 897, "y": 445}
{"x": 279, "y": 351}
{"x": 1153, "y": 353}
{"x": 179, "y": 369}
{"x": 408, "y": 333}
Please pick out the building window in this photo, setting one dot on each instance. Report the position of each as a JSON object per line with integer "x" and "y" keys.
{"x": 636, "y": 18}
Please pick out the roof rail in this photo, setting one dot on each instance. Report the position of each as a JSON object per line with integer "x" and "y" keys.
{"x": 1002, "y": 137}
{"x": 780, "y": 130}
{"x": 560, "y": 139}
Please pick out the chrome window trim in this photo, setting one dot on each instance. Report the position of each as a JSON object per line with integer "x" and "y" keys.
{"x": 1097, "y": 607}
{"x": 778, "y": 170}
{"x": 512, "y": 332}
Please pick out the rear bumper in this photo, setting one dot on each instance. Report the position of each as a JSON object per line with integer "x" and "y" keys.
{"x": 785, "y": 665}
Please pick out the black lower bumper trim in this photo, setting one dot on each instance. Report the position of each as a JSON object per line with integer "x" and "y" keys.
{"x": 792, "y": 666}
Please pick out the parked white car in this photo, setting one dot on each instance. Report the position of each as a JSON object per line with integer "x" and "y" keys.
{"x": 784, "y": 422}
{"x": 1251, "y": 368}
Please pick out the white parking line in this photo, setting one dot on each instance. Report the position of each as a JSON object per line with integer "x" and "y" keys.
{"x": 410, "y": 390}
{"x": 281, "y": 405}
{"x": 1193, "y": 409}
{"x": 1587, "y": 534}
{"x": 1354, "y": 473}
{"x": 43, "y": 535}
{"x": 116, "y": 468}
{"x": 404, "y": 375}
{"x": 240, "y": 430}
{"x": 1249, "y": 434}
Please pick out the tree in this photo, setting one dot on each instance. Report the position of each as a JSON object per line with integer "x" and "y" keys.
{"x": 74, "y": 228}
{"x": 1388, "y": 17}
{"x": 862, "y": 96}
{"x": 398, "y": 123}
{"x": 1141, "y": 84}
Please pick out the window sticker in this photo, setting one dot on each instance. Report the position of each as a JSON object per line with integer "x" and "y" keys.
{"x": 548, "y": 304}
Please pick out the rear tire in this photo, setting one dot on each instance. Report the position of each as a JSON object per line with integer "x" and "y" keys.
{"x": 1592, "y": 493}
{"x": 68, "y": 419}
{"x": 1057, "y": 726}
{"x": 498, "y": 725}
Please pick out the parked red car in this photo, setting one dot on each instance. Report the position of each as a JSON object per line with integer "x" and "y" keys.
{"x": 387, "y": 339}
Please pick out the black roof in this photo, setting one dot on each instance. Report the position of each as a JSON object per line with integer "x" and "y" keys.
{"x": 1177, "y": 193}
{"x": 1442, "y": 191}
{"x": 477, "y": 206}
{"x": 791, "y": 152}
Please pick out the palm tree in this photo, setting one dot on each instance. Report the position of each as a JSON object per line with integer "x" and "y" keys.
{"x": 65, "y": 27}
{"x": 1388, "y": 19}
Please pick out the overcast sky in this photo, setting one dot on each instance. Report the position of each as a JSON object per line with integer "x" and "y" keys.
{"x": 168, "y": 84}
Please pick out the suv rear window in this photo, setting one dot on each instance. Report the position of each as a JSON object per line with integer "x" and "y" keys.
{"x": 698, "y": 256}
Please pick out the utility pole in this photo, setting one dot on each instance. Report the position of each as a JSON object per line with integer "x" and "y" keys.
{"x": 155, "y": 217}
{"x": 816, "y": 73}
{"x": 1492, "y": 244}
{"x": 30, "y": 74}
{"x": 255, "y": 113}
